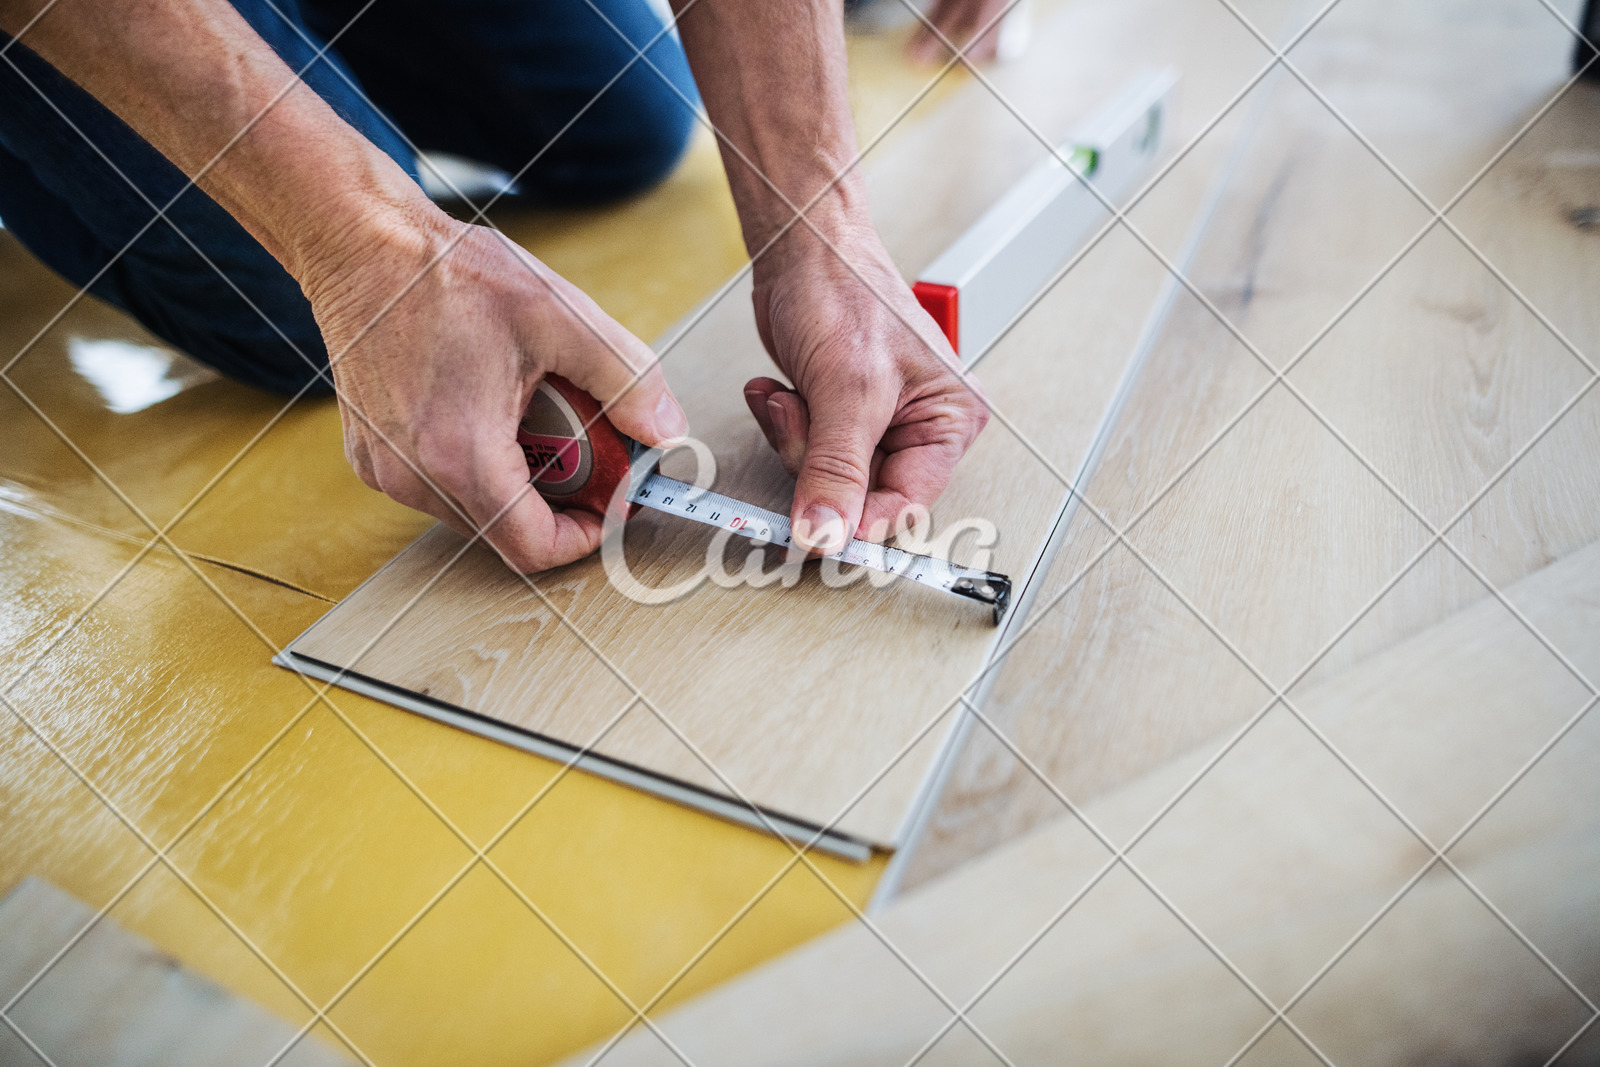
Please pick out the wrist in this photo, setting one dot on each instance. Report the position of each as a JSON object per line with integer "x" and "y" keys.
{"x": 836, "y": 225}
{"x": 364, "y": 223}
{"x": 317, "y": 195}
{"x": 366, "y": 229}
{"x": 836, "y": 251}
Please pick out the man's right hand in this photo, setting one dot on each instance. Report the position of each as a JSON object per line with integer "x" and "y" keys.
{"x": 439, "y": 333}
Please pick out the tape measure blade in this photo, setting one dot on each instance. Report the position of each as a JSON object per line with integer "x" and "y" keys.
{"x": 672, "y": 497}
{"x": 712, "y": 509}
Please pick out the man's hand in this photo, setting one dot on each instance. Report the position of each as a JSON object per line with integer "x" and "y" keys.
{"x": 431, "y": 389}
{"x": 881, "y": 415}
{"x": 438, "y": 332}
{"x": 959, "y": 21}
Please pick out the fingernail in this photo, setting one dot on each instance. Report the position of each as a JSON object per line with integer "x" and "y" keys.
{"x": 821, "y": 528}
{"x": 779, "y": 414}
{"x": 671, "y": 423}
{"x": 785, "y": 421}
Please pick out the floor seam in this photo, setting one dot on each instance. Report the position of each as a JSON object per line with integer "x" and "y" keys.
{"x": 44, "y": 512}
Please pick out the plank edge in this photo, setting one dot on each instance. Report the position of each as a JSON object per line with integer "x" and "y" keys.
{"x": 915, "y": 825}
{"x": 796, "y": 832}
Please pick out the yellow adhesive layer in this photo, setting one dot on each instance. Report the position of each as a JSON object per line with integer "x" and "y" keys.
{"x": 304, "y": 834}
{"x": 341, "y": 820}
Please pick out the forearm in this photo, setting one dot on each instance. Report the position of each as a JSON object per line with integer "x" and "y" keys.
{"x": 774, "y": 82}
{"x": 195, "y": 80}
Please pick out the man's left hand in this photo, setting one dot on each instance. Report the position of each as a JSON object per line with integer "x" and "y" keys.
{"x": 880, "y": 411}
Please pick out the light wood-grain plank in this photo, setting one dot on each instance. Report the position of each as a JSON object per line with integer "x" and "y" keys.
{"x": 1439, "y": 377}
{"x": 799, "y": 698}
{"x": 1280, "y": 857}
{"x": 114, "y": 1000}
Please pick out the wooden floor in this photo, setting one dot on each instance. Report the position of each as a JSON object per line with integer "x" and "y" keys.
{"x": 1239, "y": 535}
{"x": 1279, "y": 881}
{"x": 1262, "y": 518}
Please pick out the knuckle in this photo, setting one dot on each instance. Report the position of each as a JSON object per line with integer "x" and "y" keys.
{"x": 445, "y": 457}
{"x": 870, "y": 375}
{"x": 361, "y": 463}
{"x": 860, "y": 381}
{"x": 836, "y": 468}
{"x": 522, "y": 562}
{"x": 978, "y": 416}
{"x": 969, "y": 409}
{"x": 392, "y": 479}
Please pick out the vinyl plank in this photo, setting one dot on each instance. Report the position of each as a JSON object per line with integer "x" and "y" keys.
{"x": 114, "y": 1000}
{"x": 1118, "y": 977}
{"x": 1274, "y": 530}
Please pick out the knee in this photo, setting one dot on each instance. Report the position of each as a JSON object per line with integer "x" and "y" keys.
{"x": 672, "y": 121}
{"x": 657, "y": 138}
{"x": 271, "y": 342}
{"x": 630, "y": 140}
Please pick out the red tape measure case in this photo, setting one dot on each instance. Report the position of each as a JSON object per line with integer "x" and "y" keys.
{"x": 575, "y": 456}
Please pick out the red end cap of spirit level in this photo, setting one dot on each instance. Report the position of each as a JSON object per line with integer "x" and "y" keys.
{"x": 943, "y": 303}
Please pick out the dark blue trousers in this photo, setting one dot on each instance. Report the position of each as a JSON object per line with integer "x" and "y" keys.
{"x": 492, "y": 80}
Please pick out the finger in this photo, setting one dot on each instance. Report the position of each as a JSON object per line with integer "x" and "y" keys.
{"x": 783, "y": 418}
{"x": 791, "y": 424}
{"x": 487, "y": 474}
{"x": 756, "y": 391}
{"x": 984, "y": 13}
{"x": 844, "y": 428}
{"x": 986, "y": 47}
{"x": 1014, "y": 29}
{"x": 357, "y": 453}
{"x": 396, "y": 479}
{"x": 909, "y": 477}
{"x": 925, "y": 47}
{"x": 604, "y": 360}
{"x": 921, "y": 453}
{"x": 518, "y": 522}
{"x": 359, "y": 456}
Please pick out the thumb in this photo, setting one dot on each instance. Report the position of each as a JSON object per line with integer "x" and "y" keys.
{"x": 832, "y": 485}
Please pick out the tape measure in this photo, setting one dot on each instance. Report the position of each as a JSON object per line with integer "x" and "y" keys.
{"x": 577, "y": 459}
